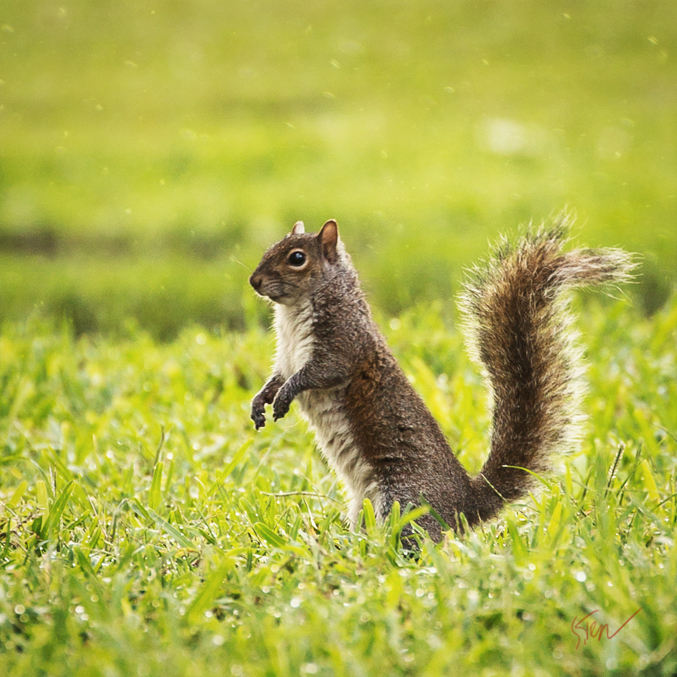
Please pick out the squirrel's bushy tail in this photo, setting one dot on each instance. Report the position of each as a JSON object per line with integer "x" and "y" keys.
{"x": 520, "y": 332}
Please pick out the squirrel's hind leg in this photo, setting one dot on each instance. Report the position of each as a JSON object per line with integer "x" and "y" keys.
{"x": 406, "y": 499}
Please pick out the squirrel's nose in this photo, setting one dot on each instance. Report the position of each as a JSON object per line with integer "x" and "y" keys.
{"x": 256, "y": 281}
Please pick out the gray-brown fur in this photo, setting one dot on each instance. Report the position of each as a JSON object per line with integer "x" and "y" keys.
{"x": 373, "y": 427}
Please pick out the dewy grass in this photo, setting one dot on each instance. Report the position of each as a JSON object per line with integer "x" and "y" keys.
{"x": 146, "y": 529}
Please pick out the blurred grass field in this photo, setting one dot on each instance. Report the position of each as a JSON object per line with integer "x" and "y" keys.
{"x": 147, "y": 147}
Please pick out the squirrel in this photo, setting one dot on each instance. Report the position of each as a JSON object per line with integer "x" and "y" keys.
{"x": 371, "y": 425}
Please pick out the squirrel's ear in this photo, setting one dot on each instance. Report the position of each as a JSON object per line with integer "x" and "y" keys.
{"x": 298, "y": 228}
{"x": 328, "y": 238}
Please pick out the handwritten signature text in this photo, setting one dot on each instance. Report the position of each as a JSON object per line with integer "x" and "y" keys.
{"x": 585, "y": 629}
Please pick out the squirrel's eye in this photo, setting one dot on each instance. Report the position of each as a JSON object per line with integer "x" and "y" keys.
{"x": 296, "y": 258}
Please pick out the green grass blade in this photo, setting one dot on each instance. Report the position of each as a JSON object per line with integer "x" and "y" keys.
{"x": 155, "y": 494}
{"x": 265, "y": 532}
{"x": 369, "y": 516}
{"x": 239, "y": 455}
{"x": 138, "y": 509}
{"x": 172, "y": 531}
{"x": 413, "y": 515}
{"x": 208, "y": 592}
{"x": 58, "y": 508}
{"x": 18, "y": 493}
{"x": 42, "y": 497}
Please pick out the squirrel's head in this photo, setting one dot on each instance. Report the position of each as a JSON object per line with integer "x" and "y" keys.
{"x": 293, "y": 267}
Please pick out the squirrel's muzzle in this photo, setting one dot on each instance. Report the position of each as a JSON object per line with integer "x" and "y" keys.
{"x": 256, "y": 281}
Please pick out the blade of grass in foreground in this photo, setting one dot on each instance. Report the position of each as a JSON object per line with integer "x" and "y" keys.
{"x": 209, "y": 591}
{"x": 172, "y": 531}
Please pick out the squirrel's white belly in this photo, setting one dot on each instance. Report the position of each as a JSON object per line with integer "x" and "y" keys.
{"x": 324, "y": 409}
{"x": 294, "y": 330}
{"x": 327, "y": 418}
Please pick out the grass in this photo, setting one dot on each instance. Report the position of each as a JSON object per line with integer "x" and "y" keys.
{"x": 134, "y": 136}
{"x": 148, "y": 530}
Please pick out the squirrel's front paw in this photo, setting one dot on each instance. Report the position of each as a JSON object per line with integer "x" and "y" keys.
{"x": 281, "y": 403}
{"x": 258, "y": 413}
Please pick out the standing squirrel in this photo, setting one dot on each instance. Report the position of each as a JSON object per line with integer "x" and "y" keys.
{"x": 372, "y": 426}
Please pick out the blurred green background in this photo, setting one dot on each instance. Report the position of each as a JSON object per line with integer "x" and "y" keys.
{"x": 150, "y": 151}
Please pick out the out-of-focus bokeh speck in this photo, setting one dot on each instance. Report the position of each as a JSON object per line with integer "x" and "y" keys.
{"x": 150, "y": 151}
